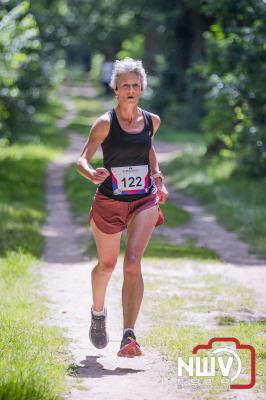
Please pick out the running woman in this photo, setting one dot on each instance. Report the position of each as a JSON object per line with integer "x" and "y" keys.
{"x": 130, "y": 186}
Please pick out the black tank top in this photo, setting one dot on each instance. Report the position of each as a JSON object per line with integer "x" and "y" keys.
{"x": 123, "y": 149}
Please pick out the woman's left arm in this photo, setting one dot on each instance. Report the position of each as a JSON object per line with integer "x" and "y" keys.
{"x": 154, "y": 165}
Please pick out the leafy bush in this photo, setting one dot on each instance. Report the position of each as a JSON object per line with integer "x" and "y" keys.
{"x": 235, "y": 74}
{"x": 31, "y": 62}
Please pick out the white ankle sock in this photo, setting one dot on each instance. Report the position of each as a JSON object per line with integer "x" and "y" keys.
{"x": 99, "y": 313}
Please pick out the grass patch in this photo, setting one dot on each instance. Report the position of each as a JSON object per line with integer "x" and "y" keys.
{"x": 174, "y": 216}
{"x": 42, "y": 129}
{"x": 161, "y": 249}
{"x": 80, "y": 191}
{"x": 174, "y": 341}
{"x": 31, "y": 362}
{"x": 170, "y": 334}
{"x": 176, "y": 328}
{"x": 215, "y": 294}
{"x": 32, "y": 355}
{"x": 90, "y": 107}
{"x": 172, "y": 134}
{"x": 225, "y": 320}
{"x": 22, "y": 174}
{"x": 237, "y": 201}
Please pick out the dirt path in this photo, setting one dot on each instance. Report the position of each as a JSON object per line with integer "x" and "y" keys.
{"x": 98, "y": 374}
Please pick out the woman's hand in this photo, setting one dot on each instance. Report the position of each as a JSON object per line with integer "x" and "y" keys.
{"x": 161, "y": 190}
{"x": 99, "y": 175}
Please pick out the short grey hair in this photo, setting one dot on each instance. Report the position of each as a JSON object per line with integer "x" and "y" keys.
{"x": 125, "y": 66}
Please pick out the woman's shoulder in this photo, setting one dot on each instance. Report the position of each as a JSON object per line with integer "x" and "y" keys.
{"x": 153, "y": 115}
{"x": 156, "y": 120}
{"x": 103, "y": 121}
{"x": 101, "y": 126}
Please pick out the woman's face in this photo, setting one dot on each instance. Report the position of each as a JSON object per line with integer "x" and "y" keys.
{"x": 128, "y": 88}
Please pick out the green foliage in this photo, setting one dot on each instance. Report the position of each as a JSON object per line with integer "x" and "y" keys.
{"x": 236, "y": 68}
{"x": 132, "y": 48}
{"x": 30, "y": 62}
{"x": 189, "y": 49}
{"x": 19, "y": 46}
{"x": 95, "y": 72}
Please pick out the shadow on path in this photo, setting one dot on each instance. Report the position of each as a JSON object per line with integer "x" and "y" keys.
{"x": 93, "y": 369}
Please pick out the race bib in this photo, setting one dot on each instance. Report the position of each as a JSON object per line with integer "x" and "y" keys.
{"x": 130, "y": 180}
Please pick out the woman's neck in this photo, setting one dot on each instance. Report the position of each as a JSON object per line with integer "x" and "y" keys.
{"x": 128, "y": 113}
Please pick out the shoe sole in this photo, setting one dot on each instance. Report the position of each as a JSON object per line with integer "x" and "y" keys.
{"x": 130, "y": 350}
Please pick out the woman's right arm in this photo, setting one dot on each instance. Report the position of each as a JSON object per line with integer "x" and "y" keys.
{"x": 98, "y": 133}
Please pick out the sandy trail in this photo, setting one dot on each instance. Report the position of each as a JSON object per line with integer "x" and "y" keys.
{"x": 100, "y": 374}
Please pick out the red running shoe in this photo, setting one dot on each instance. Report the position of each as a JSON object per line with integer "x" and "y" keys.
{"x": 129, "y": 347}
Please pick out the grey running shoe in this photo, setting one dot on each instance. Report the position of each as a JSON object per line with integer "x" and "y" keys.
{"x": 98, "y": 334}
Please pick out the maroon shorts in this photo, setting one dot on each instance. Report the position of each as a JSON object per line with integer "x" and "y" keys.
{"x": 112, "y": 216}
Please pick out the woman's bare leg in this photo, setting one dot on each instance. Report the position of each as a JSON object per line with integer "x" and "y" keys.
{"x": 139, "y": 232}
{"x": 108, "y": 249}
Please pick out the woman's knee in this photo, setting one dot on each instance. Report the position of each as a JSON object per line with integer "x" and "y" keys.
{"x": 132, "y": 267}
{"x": 106, "y": 266}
